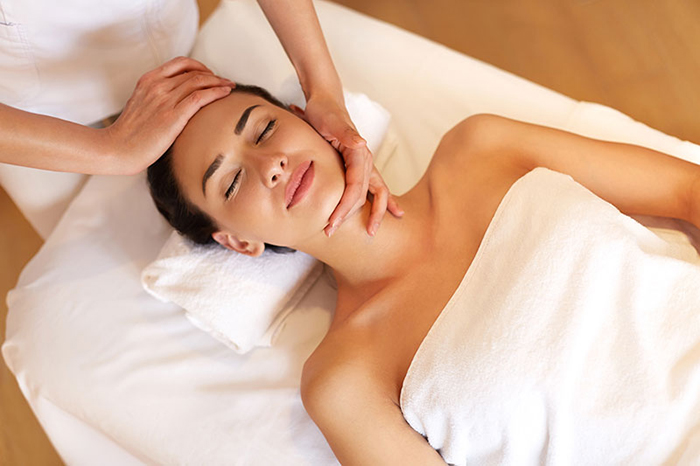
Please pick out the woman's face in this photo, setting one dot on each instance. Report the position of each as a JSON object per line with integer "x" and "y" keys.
{"x": 262, "y": 173}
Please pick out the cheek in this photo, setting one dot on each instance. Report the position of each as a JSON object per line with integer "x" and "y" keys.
{"x": 256, "y": 216}
{"x": 328, "y": 190}
{"x": 252, "y": 216}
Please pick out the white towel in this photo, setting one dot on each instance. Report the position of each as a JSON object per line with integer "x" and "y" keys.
{"x": 573, "y": 338}
{"x": 242, "y": 301}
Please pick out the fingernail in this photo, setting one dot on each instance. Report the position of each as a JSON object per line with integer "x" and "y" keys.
{"x": 372, "y": 230}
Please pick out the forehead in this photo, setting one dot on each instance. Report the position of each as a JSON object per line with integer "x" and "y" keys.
{"x": 205, "y": 136}
{"x": 217, "y": 116}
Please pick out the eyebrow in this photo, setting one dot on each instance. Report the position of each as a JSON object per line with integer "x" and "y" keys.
{"x": 244, "y": 119}
{"x": 240, "y": 126}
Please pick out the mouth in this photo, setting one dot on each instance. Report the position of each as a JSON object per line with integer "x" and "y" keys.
{"x": 299, "y": 183}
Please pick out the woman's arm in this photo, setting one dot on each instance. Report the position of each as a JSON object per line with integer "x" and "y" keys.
{"x": 362, "y": 426}
{"x": 635, "y": 179}
{"x": 162, "y": 103}
{"x": 296, "y": 24}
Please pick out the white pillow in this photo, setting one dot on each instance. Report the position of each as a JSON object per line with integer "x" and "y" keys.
{"x": 239, "y": 300}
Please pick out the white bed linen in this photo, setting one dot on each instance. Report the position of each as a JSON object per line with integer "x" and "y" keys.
{"x": 90, "y": 348}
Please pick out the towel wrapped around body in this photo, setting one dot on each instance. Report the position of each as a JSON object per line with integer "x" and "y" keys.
{"x": 573, "y": 338}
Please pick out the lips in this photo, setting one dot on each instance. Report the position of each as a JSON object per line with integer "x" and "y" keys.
{"x": 299, "y": 183}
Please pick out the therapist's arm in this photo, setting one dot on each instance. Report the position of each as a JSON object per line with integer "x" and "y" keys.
{"x": 162, "y": 103}
{"x": 296, "y": 24}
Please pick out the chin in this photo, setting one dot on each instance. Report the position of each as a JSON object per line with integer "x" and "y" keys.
{"x": 324, "y": 206}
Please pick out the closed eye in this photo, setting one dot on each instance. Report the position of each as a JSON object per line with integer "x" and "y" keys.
{"x": 230, "y": 189}
{"x": 267, "y": 129}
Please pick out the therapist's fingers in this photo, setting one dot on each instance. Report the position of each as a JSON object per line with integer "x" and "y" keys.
{"x": 158, "y": 111}
{"x": 357, "y": 164}
{"x": 197, "y": 99}
{"x": 179, "y": 65}
{"x": 174, "y": 67}
{"x": 382, "y": 200}
{"x": 393, "y": 207}
{"x": 188, "y": 83}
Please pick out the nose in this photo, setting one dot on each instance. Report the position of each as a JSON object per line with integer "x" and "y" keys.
{"x": 274, "y": 168}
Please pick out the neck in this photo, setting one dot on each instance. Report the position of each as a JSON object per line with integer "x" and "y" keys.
{"x": 362, "y": 264}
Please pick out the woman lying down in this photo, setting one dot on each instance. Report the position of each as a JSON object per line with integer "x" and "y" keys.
{"x": 512, "y": 315}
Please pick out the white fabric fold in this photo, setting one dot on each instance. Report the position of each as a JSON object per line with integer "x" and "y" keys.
{"x": 241, "y": 301}
{"x": 573, "y": 338}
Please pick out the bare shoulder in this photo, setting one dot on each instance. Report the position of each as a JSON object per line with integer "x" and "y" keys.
{"x": 471, "y": 141}
{"x": 470, "y": 165}
{"x": 359, "y": 421}
{"x": 476, "y": 132}
{"x": 333, "y": 366}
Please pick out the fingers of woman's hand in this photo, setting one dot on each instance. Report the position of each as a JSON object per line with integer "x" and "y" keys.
{"x": 349, "y": 137}
{"x": 356, "y": 184}
{"x": 327, "y": 114}
{"x": 338, "y": 128}
{"x": 174, "y": 67}
{"x": 382, "y": 201}
{"x": 393, "y": 207}
{"x": 197, "y": 99}
{"x": 186, "y": 84}
{"x": 159, "y": 109}
{"x": 180, "y": 65}
{"x": 379, "y": 203}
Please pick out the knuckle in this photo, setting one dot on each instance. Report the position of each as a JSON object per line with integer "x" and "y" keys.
{"x": 198, "y": 79}
{"x": 144, "y": 80}
{"x": 195, "y": 98}
{"x": 158, "y": 90}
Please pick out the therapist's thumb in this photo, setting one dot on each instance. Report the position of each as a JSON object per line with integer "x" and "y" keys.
{"x": 347, "y": 135}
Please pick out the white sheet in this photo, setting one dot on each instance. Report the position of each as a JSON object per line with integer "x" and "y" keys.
{"x": 86, "y": 341}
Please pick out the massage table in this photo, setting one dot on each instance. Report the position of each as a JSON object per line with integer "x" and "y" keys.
{"x": 117, "y": 377}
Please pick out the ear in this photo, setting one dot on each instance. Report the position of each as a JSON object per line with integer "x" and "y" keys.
{"x": 249, "y": 248}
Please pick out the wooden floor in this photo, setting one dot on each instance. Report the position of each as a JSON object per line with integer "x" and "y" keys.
{"x": 639, "y": 56}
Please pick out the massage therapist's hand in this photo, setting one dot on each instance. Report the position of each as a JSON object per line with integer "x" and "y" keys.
{"x": 162, "y": 103}
{"x": 330, "y": 118}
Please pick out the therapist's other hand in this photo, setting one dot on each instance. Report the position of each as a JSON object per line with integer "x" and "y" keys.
{"x": 158, "y": 110}
{"x": 330, "y": 118}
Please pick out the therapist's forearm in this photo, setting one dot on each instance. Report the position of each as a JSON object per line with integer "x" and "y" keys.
{"x": 296, "y": 24}
{"x": 40, "y": 141}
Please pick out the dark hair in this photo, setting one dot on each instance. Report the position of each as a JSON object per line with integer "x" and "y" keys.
{"x": 182, "y": 215}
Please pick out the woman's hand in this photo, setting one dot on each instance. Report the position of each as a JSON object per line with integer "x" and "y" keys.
{"x": 330, "y": 118}
{"x": 162, "y": 103}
